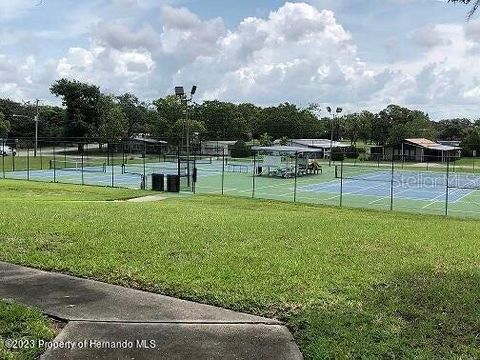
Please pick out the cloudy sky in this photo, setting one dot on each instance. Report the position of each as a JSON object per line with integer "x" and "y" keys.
{"x": 360, "y": 54}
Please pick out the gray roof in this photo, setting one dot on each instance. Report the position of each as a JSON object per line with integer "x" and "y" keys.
{"x": 285, "y": 149}
{"x": 318, "y": 143}
{"x": 149, "y": 140}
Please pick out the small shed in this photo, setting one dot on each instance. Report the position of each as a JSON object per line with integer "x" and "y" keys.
{"x": 419, "y": 150}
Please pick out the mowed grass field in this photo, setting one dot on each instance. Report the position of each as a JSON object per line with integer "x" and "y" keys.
{"x": 349, "y": 283}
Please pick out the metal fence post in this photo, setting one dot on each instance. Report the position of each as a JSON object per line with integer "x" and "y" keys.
{"x": 3, "y": 157}
{"x": 223, "y": 171}
{"x": 41, "y": 157}
{"x": 83, "y": 165}
{"x": 54, "y": 164}
{"x": 28, "y": 162}
{"x": 341, "y": 183}
{"x": 447, "y": 186}
{"x": 144, "y": 163}
{"x": 112, "y": 161}
{"x": 254, "y": 173}
{"x": 295, "y": 184}
{"x": 391, "y": 184}
{"x": 194, "y": 173}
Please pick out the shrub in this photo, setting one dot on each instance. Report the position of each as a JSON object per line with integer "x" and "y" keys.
{"x": 352, "y": 153}
{"x": 240, "y": 150}
{"x": 337, "y": 154}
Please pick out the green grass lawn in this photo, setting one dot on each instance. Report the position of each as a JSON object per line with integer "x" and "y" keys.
{"x": 349, "y": 283}
{"x": 15, "y": 190}
{"x": 24, "y": 325}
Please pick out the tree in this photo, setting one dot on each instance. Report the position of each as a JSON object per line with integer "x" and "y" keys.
{"x": 135, "y": 112}
{"x": 170, "y": 111}
{"x": 114, "y": 126}
{"x": 284, "y": 141}
{"x": 4, "y": 127}
{"x": 381, "y": 125}
{"x": 52, "y": 122}
{"x": 365, "y": 121}
{"x": 396, "y": 123}
{"x": 83, "y": 107}
{"x": 453, "y": 129}
{"x": 225, "y": 120}
{"x": 476, "y": 5}
{"x": 351, "y": 127}
{"x": 282, "y": 120}
{"x": 240, "y": 150}
{"x": 157, "y": 125}
{"x": 471, "y": 142}
{"x": 194, "y": 126}
{"x": 265, "y": 140}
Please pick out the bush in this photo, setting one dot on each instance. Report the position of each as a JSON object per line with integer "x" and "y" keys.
{"x": 240, "y": 150}
{"x": 352, "y": 153}
{"x": 337, "y": 154}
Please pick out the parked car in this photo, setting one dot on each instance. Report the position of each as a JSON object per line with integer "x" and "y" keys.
{"x": 7, "y": 151}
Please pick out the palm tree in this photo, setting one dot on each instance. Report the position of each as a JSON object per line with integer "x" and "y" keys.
{"x": 476, "y": 5}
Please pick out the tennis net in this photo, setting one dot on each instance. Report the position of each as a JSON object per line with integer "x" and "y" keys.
{"x": 85, "y": 165}
{"x": 197, "y": 159}
{"x": 409, "y": 177}
{"x": 151, "y": 168}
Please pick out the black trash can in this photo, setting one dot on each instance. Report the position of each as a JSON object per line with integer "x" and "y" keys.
{"x": 173, "y": 183}
{"x": 158, "y": 182}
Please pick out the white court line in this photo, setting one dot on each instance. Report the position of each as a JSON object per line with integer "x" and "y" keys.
{"x": 282, "y": 185}
{"x": 464, "y": 196}
{"x": 358, "y": 192}
{"x": 389, "y": 196}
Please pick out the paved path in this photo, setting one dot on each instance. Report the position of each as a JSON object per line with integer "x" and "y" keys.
{"x": 149, "y": 198}
{"x": 148, "y": 326}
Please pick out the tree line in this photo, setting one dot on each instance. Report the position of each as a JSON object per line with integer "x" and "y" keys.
{"x": 89, "y": 113}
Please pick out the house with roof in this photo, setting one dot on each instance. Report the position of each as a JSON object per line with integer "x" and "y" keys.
{"x": 217, "y": 147}
{"x": 140, "y": 144}
{"x": 419, "y": 149}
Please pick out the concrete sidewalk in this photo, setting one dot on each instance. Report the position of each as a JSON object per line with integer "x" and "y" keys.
{"x": 139, "y": 324}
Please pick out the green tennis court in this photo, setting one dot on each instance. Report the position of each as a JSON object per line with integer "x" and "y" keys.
{"x": 412, "y": 191}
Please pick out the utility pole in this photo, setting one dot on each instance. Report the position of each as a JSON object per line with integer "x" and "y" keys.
{"x": 35, "y": 119}
{"x": 37, "y": 101}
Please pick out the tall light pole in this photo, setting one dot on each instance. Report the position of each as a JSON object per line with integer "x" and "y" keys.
{"x": 180, "y": 92}
{"x": 35, "y": 119}
{"x": 338, "y": 111}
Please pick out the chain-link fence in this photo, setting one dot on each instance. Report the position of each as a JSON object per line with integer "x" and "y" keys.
{"x": 444, "y": 184}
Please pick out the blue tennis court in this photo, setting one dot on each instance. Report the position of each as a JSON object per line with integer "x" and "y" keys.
{"x": 407, "y": 185}
{"x": 127, "y": 175}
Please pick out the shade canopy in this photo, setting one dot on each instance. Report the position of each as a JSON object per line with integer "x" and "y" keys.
{"x": 285, "y": 149}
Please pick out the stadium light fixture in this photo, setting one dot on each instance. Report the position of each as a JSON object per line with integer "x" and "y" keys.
{"x": 179, "y": 91}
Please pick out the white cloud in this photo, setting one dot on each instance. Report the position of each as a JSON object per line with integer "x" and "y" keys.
{"x": 296, "y": 53}
{"x": 429, "y": 37}
{"x": 117, "y": 71}
{"x": 10, "y": 9}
